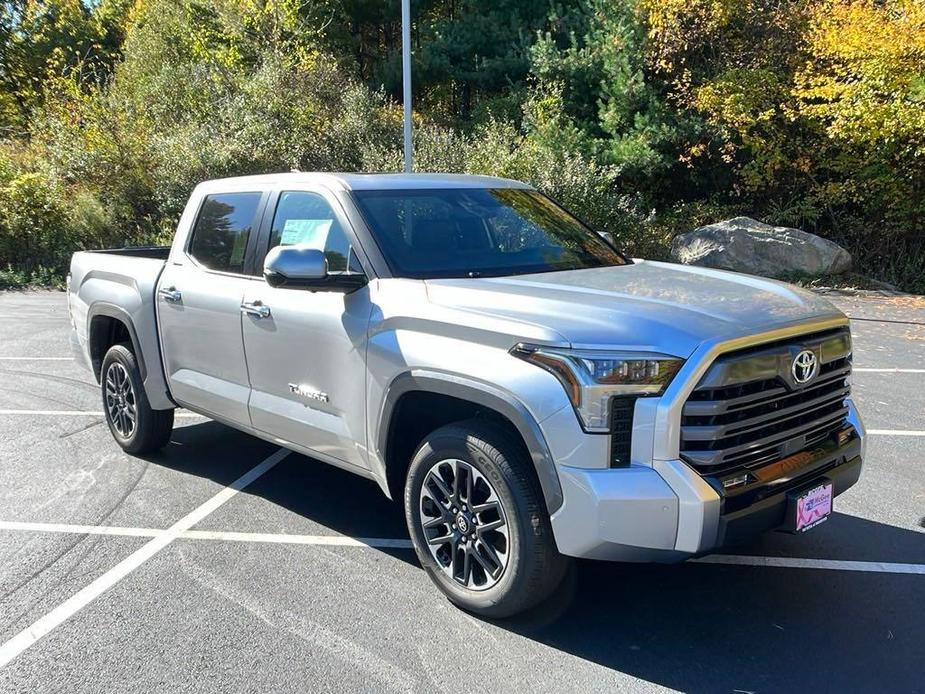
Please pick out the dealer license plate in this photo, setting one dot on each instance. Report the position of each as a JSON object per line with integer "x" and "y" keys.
{"x": 813, "y": 507}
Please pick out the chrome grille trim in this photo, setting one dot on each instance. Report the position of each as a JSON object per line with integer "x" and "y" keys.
{"x": 747, "y": 411}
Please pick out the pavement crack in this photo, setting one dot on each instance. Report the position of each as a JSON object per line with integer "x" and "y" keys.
{"x": 92, "y": 424}
{"x": 128, "y": 491}
{"x": 887, "y": 320}
{"x": 18, "y": 394}
{"x": 51, "y": 377}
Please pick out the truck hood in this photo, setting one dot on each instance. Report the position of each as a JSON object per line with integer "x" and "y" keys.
{"x": 648, "y": 306}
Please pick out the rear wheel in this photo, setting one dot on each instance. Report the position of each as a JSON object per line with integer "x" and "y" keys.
{"x": 134, "y": 425}
{"x": 478, "y": 520}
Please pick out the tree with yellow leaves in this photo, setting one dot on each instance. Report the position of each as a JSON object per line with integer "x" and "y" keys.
{"x": 864, "y": 87}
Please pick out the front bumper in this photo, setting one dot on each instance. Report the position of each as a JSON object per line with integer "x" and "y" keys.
{"x": 667, "y": 512}
{"x": 770, "y": 512}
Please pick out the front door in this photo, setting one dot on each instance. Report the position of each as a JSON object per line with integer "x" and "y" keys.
{"x": 306, "y": 351}
{"x": 199, "y": 309}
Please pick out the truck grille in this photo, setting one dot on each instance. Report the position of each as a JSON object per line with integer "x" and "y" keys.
{"x": 748, "y": 410}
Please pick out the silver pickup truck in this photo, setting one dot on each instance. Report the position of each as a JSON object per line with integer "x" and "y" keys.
{"x": 474, "y": 348}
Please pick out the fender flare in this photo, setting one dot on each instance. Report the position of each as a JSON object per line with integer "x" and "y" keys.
{"x": 488, "y": 396}
{"x": 102, "y": 308}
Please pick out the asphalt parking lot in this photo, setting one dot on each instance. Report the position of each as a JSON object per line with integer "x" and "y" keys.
{"x": 190, "y": 570}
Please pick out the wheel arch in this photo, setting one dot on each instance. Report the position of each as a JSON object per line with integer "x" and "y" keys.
{"x": 465, "y": 397}
{"x": 106, "y": 324}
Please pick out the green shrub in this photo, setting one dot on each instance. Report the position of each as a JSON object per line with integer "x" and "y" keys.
{"x": 33, "y": 224}
{"x": 645, "y": 117}
{"x": 13, "y": 279}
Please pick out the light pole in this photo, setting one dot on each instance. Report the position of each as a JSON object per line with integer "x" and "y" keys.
{"x": 406, "y": 76}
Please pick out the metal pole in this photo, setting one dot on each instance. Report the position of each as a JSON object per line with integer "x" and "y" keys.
{"x": 406, "y": 76}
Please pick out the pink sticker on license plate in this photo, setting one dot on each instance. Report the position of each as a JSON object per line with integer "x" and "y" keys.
{"x": 814, "y": 507}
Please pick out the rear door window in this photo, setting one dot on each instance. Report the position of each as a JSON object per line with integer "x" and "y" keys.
{"x": 222, "y": 230}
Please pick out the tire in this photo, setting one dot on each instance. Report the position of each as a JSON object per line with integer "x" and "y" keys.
{"x": 124, "y": 396}
{"x": 503, "y": 489}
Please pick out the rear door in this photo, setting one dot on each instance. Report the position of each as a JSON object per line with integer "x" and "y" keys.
{"x": 306, "y": 351}
{"x": 199, "y": 306}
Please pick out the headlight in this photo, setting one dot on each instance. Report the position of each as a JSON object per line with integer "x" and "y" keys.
{"x": 592, "y": 378}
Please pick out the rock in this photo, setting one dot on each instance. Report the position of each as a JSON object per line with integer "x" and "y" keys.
{"x": 743, "y": 244}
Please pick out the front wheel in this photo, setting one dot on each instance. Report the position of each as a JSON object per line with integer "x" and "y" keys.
{"x": 478, "y": 520}
{"x": 134, "y": 425}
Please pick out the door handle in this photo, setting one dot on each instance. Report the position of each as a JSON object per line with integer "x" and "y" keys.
{"x": 256, "y": 309}
{"x": 171, "y": 294}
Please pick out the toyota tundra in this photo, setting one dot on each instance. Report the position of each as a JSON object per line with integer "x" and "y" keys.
{"x": 530, "y": 393}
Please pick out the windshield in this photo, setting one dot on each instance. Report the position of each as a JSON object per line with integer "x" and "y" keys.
{"x": 481, "y": 232}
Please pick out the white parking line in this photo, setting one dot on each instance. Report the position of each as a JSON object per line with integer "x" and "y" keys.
{"x": 799, "y": 563}
{"x": 84, "y": 597}
{"x": 77, "y": 413}
{"x": 390, "y": 543}
{"x": 284, "y": 539}
{"x": 889, "y": 371}
{"x": 896, "y": 432}
{"x": 225, "y": 536}
{"x": 80, "y": 529}
{"x": 36, "y": 358}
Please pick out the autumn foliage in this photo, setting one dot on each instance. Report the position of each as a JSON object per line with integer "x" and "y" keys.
{"x": 647, "y": 116}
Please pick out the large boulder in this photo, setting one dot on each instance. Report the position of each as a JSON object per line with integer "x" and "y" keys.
{"x": 743, "y": 244}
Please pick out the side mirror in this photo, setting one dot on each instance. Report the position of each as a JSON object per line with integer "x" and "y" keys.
{"x": 298, "y": 267}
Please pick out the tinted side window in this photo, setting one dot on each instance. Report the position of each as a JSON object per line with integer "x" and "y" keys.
{"x": 222, "y": 229}
{"x": 306, "y": 219}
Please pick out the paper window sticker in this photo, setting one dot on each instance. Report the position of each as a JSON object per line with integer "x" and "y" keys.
{"x": 239, "y": 247}
{"x": 312, "y": 233}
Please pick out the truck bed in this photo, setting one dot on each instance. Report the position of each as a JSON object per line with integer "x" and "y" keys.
{"x": 156, "y": 252}
{"x": 120, "y": 284}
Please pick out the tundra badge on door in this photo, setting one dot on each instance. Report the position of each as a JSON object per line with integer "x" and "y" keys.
{"x": 306, "y": 392}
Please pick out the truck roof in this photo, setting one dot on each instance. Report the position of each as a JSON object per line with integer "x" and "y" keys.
{"x": 369, "y": 181}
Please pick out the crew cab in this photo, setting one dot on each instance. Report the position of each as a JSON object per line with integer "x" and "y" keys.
{"x": 529, "y": 393}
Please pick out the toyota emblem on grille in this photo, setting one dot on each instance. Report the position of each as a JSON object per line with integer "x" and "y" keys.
{"x": 804, "y": 367}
